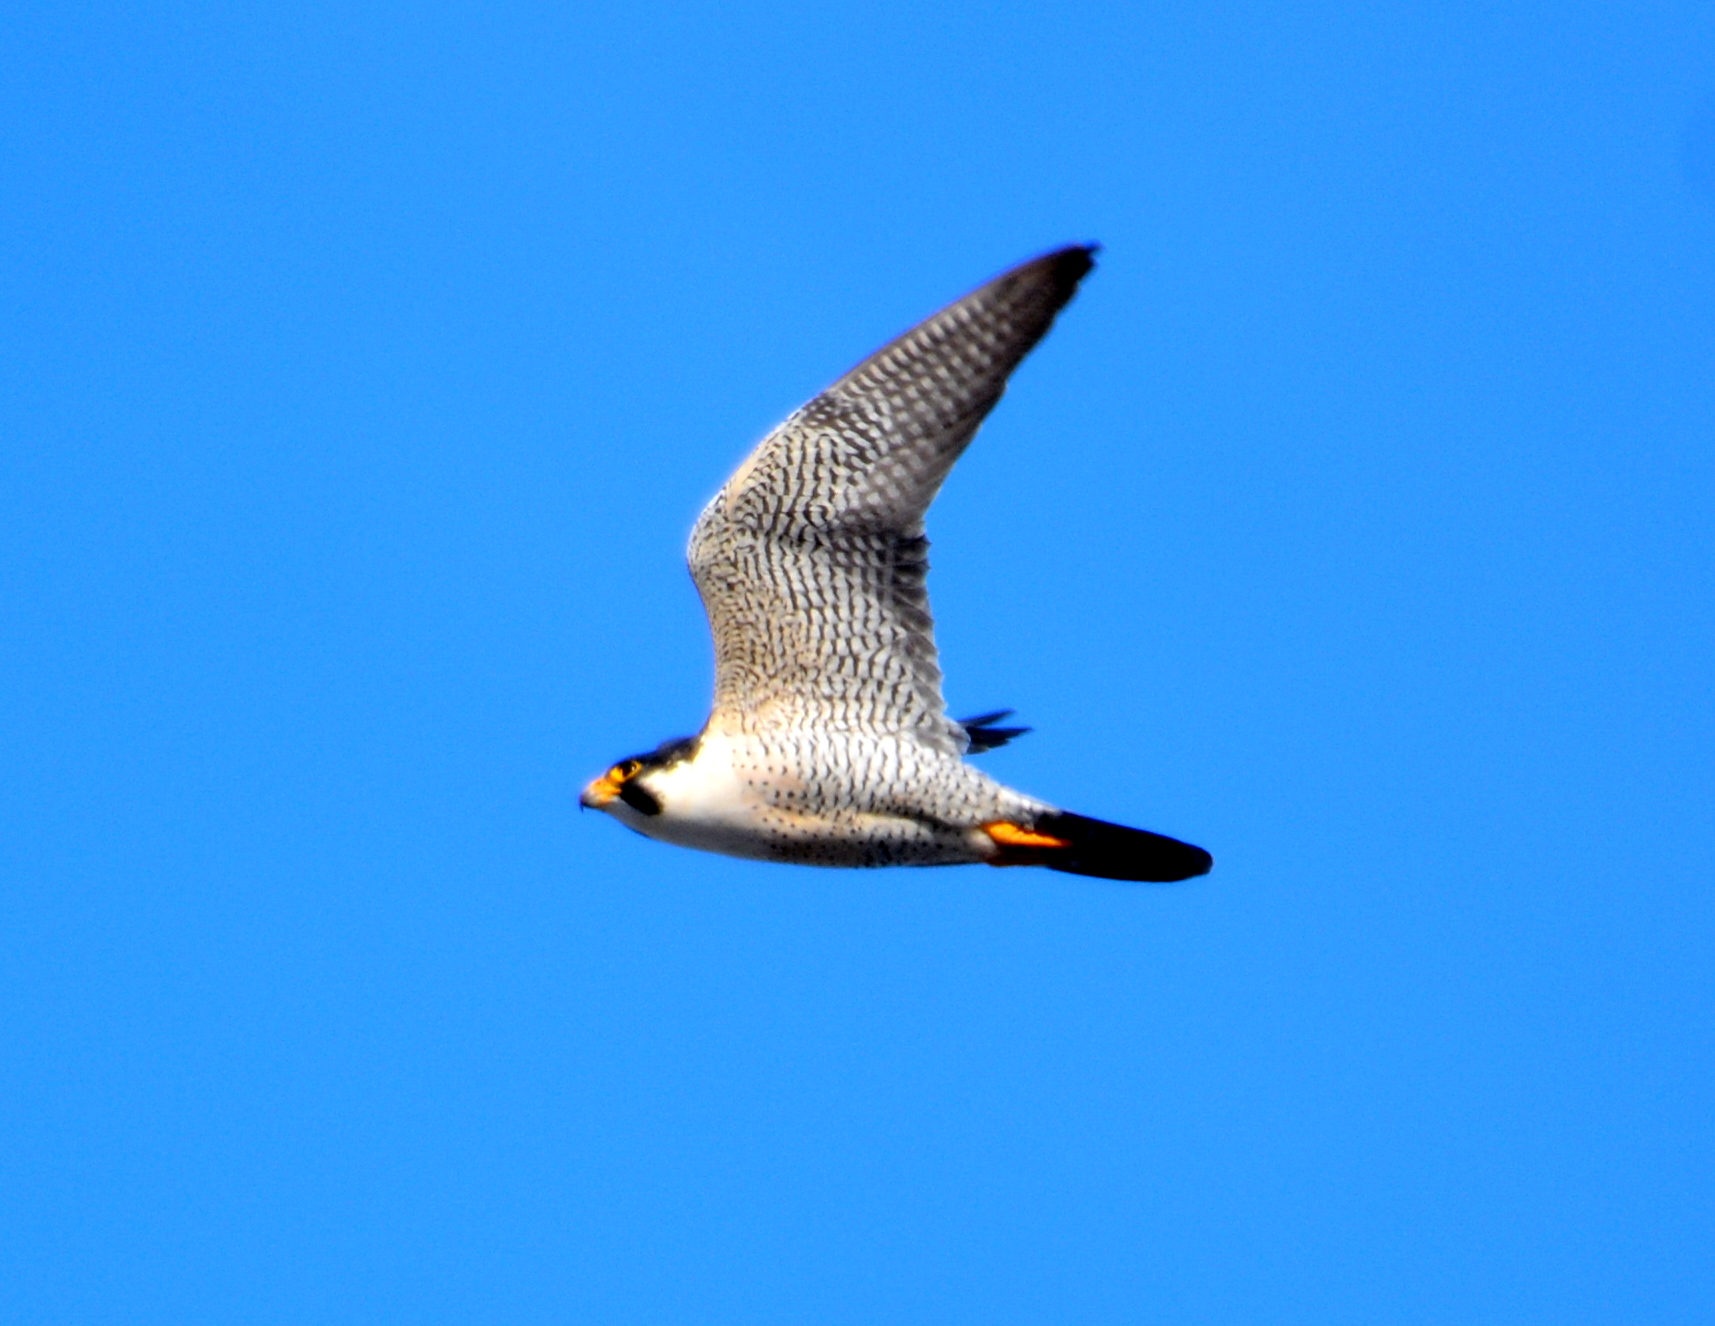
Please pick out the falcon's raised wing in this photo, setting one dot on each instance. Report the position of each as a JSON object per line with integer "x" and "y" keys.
{"x": 811, "y": 560}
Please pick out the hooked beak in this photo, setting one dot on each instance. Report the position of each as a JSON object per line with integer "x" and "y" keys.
{"x": 598, "y": 793}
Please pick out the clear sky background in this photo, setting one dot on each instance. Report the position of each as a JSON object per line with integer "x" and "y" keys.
{"x": 361, "y": 372}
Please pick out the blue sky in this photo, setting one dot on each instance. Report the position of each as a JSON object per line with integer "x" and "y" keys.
{"x": 363, "y": 370}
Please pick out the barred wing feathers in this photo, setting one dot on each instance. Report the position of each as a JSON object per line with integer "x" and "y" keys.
{"x": 811, "y": 560}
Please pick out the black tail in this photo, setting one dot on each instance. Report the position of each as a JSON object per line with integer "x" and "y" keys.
{"x": 985, "y": 735}
{"x": 1112, "y": 851}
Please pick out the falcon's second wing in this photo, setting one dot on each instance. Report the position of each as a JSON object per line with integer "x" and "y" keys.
{"x": 811, "y": 560}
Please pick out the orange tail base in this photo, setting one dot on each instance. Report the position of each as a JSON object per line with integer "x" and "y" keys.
{"x": 1079, "y": 845}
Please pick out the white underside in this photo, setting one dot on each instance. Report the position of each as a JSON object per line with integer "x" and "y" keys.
{"x": 707, "y": 806}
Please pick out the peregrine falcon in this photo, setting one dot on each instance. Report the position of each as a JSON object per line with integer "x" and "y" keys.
{"x": 829, "y": 743}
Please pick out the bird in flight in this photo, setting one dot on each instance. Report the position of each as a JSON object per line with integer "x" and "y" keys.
{"x": 829, "y": 743}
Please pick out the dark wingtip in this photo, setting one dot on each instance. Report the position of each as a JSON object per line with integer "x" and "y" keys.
{"x": 1084, "y": 255}
{"x": 992, "y": 738}
{"x": 1071, "y": 264}
{"x": 983, "y": 735}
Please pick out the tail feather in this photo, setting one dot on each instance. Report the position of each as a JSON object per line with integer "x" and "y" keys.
{"x": 1112, "y": 851}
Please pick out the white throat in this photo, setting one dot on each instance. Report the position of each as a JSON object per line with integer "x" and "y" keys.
{"x": 704, "y": 804}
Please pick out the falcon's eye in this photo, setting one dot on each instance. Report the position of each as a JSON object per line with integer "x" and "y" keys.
{"x": 620, "y": 772}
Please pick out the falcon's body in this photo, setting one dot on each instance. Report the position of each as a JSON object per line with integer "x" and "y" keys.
{"x": 829, "y": 743}
{"x": 831, "y": 798}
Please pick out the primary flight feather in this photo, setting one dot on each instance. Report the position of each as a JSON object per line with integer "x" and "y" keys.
{"x": 829, "y": 743}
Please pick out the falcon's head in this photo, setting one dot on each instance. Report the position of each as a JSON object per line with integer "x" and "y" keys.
{"x": 628, "y": 782}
